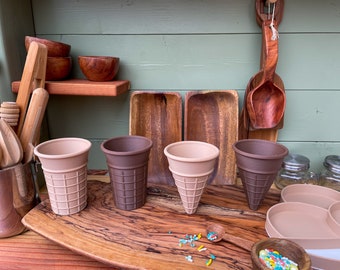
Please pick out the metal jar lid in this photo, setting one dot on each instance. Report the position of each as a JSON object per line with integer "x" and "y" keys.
{"x": 332, "y": 163}
{"x": 296, "y": 163}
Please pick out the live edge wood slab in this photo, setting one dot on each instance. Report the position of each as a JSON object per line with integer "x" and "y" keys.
{"x": 148, "y": 238}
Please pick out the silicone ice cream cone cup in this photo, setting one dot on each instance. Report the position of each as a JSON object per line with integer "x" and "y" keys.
{"x": 192, "y": 164}
{"x": 258, "y": 162}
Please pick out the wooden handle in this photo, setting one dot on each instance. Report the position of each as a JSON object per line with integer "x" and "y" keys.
{"x": 33, "y": 120}
{"x": 238, "y": 241}
{"x": 33, "y": 75}
{"x": 270, "y": 51}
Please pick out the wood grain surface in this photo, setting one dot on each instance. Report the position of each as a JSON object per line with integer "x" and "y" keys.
{"x": 157, "y": 116}
{"x": 81, "y": 87}
{"x": 212, "y": 116}
{"x": 148, "y": 238}
{"x": 30, "y": 251}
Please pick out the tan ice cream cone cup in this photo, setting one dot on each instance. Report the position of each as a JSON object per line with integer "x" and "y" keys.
{"x": 192, "y": 163}
{"x": 190, "y": 190}
{"x": 64, "y": 163}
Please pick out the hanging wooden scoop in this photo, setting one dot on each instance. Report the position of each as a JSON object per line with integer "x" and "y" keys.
{"x": 33, "y": 76}
{"x": 11, "y": 149}
{"x": 266, "y": 101}
{"x": 31, "y": 129}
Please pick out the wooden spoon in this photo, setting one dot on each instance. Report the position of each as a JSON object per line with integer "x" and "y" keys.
{"x": 220, "y": 234}
{"x": 11, "y": 148}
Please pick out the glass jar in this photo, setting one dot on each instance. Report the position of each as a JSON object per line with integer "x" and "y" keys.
{"x": 295, "y": 170}
{"x": 330, "y": 175}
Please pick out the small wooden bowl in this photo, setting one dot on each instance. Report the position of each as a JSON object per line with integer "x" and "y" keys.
{"x": 58, "y": 68}
{"x": 286, "y": 248}
{"x": 99, "y": 68}
{"x": 54, "y": 48}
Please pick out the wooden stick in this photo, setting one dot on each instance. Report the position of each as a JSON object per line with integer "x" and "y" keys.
{"x": 33, "y": 74}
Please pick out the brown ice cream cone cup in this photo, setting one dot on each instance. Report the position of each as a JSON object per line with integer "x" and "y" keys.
{"x": 127, "y": 159}
{"x": 258, "y": 162}
{"x": 256, "y": 186}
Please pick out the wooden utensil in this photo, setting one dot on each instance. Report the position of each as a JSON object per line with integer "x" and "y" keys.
{"x": 12, "y": 152}
{"x": 266, "y": 100}
{"x": 31, "y": 129}
{"x": 246, "y": 131}
{"x": 33, "y": 76}
{"x": 263, "y": 13}
{"x": 219, "y": 232}
{"x": 212, "y": 117}
{"x": 157, "y": 116}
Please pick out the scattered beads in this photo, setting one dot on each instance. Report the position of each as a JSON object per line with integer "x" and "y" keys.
{"x": 274, "y": 260}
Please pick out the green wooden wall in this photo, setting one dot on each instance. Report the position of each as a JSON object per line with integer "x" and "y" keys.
{"x": 181, "y": 45}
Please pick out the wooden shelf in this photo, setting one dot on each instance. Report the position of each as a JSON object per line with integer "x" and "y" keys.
{"x": 82, "y": 87}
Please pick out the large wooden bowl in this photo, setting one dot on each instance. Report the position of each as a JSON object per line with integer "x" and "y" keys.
{"x": 286, "y": 248}
{"x": 58, "y": 68}
{"x": 99, "y": 68}
{"x": 54, "y": 48}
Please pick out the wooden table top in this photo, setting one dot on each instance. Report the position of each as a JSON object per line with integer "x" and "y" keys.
{"x": 224, "y": 204}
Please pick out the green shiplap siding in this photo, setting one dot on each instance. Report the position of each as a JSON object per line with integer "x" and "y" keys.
{"x": 189, "y": 45}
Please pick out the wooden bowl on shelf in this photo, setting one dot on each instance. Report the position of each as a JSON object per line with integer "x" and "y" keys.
{"x": 99, "y": 68}
{"x": 54, "y": 48}
{"x": 286, "y": 248}
{"x": 58, "y": 68}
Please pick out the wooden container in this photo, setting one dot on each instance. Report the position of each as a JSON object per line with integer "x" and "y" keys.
{"x": 286, "y": 248}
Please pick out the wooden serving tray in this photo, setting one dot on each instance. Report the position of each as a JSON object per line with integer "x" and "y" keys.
{"x": 157, "y": 116}
{"x": 148, "y": 238}
{"x": 212, "y": 116}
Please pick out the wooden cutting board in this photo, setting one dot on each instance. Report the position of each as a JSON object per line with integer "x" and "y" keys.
{"x": 148, "y": 237}
{"x": 157, "y": 116}
{"x": 212, "y": 116}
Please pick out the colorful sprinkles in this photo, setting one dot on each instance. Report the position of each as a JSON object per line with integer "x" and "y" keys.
{"x": 274, "y": 260}
{"x": 191, "y": 241}
{"x": 212, "y": 236}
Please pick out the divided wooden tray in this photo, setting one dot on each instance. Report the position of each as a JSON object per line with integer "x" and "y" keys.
{"x": 212, "y": 116}
{"x": 157, "y": 116}
{"x": 148, "y": 238}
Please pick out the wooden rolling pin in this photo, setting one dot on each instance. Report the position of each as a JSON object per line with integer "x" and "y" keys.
{"x": 31, "y": 129}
